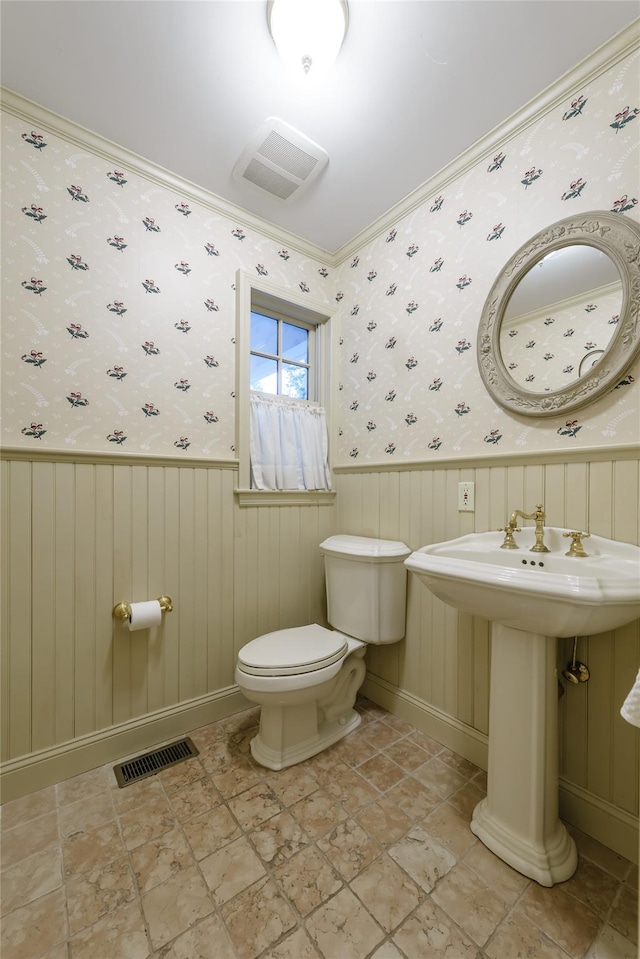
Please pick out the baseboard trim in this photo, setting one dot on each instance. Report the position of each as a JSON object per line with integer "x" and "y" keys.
{"x": 27, "y": 774}
{"x": 608, "y": 824}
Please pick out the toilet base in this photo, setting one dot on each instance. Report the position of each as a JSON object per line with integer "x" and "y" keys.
{"x": 280, "y": 755}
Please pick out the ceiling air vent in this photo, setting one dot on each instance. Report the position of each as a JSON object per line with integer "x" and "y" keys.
{"x": 280, "y": 160}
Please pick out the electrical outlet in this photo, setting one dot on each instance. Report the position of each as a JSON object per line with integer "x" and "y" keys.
{"x": 466, "y": 497}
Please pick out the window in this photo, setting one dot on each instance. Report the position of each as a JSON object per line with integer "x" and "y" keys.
{"x": 281, "y": 355}
{"x": 282, "y": 391}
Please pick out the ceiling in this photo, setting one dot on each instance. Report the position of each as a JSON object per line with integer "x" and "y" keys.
{"x": 186, "y": 84}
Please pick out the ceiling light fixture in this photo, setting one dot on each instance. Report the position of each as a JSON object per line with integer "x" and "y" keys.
{"x": 308, "y": 33}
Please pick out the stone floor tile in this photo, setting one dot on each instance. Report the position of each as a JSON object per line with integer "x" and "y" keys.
{"x": 381, "y": 772}
{"x": 431, "y": 933}
{"x": 292, "y": 784}
{"x": 157, "y": 860}
{"x": 407, "y": 754}
{"x": 194, "y": 798}
{"x": 610, "y": 944}
{"x": 92, "y": 849}
{"x": 176, "y": 777}
{"x": 146, "y": 822}
{"x": 343, "y": 927}
{"x": 176, "y": 904}
{"x": 296, "y": 945}
{"x": 425, "y": 860}
{"x": 351, "y": 790}
{"x": 467, "y": 798}
{"x": 211, "y": 831}
{"x": 234, "y": 780}
{"x": 624, "y": 914}
{"x": 387, "y": 951}
{"x": 83, "y": 816}
{"x": 28, "y": 839}
{"x": 17, "y": 812}
{"x": 450, "y": 829}
{"x": 501, "y": 878}
{"x": 593, "y": 886}
{"x": 97, "y": 893}
{"x": 430, "y": 746}
{"x": 459, "y": 763}
{"x": 131, "y": 797}
{"x": 257, "y": 918}
{"x": 255, "y": 806}
{"x": 469, "y": 901}
{"x": 518, "y": 938}
{"x": 349, "y": 848}
{"x": 355, "y": 748}
{"x": 279, "y": 838}
{"x": 387, "y": 892}
{"x": 122, "y": 933}
{"x": 385, "y": 821}
{"x": 308, "y": 879}
{"x": 380, "y": 735}
{"x": 568, "y": 922}
{"x": 207, "y": 939}
{"x": 439, "y": 777}
{"x": 607, "y": 859}
{"x": 414, "y": 798}
{"x": 35, "y": 928}
{"x": 30, "y": 879}
{"x": 231, "y": 869}
{"x": 318, "y": 813}
{"x": 91, "y": 783}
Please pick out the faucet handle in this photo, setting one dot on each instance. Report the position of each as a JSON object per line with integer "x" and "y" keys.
{"x": 576, "y": 548}
{"x": 509, "y": 542}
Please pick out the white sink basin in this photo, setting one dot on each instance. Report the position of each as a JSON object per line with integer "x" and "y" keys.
{"x": 546, "y": 593}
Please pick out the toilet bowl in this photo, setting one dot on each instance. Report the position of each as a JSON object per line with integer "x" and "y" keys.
{"x": 306, "y": 678}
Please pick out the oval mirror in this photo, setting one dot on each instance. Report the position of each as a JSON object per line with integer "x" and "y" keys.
{"x": 560, "y": 325}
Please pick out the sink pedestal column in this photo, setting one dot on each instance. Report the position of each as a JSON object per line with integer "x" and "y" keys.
{"x": 518, "y": 820}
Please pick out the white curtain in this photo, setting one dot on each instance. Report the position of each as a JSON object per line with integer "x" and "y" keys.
{"x": 288, "y": 444}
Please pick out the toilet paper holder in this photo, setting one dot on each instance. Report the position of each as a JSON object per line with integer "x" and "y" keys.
{"x": 123, "y": 610}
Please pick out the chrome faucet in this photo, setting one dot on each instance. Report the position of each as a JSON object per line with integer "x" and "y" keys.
{"x": 539, "y": 516}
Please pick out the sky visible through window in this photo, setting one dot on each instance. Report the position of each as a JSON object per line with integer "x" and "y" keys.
{"x": 279, "y": 357}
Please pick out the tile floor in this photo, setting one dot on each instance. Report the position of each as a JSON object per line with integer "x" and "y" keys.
{"x": 362, "y": 851}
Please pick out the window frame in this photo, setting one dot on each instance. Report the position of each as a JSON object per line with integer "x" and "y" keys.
{"x": 255, "y": 294}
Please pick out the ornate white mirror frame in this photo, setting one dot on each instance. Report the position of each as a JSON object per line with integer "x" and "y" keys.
{"x": 610, "y": 233}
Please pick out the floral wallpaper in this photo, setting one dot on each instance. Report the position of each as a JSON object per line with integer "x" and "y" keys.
{"x": 411, "y": 299}
{"x": 119, "y": 305}
{"x": 549, "y": 350}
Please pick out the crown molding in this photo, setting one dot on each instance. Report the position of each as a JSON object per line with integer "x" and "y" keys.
{"x": 603, "y": 58}
{"x": 592, "y": 66}
{"x": 33, "y": 113}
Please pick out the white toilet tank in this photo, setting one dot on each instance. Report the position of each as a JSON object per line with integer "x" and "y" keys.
{"x": 366, "y": 582}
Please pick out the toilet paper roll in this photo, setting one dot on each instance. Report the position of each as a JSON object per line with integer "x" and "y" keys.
{"x": 145, "y": 615}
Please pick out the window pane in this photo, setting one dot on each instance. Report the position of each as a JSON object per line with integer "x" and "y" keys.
{"x": 295, "y": 343}
{"x": 264, "y": 334}
{"x": 264, "y": 375}
{"x": 295, "y": 381}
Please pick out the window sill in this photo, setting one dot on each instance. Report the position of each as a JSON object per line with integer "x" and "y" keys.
{"x": 294, "y": 497}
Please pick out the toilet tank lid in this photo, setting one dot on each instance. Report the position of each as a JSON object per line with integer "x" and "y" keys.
{"x": 364, "y": 547}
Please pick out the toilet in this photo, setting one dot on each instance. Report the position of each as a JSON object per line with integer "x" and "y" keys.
{"x": 306, "y": 678}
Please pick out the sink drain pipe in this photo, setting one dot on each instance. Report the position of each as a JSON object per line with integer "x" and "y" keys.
{"x": 576, "y": 672}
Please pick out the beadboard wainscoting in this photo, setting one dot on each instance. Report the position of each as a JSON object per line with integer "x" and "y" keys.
{"x": 438, "y": 678}
{"x": 79, "y": 537}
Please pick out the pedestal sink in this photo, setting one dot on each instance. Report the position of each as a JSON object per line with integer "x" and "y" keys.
{"x": 531, "y": 599}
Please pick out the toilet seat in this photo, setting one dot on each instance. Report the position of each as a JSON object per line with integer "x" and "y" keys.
{"x": 291, "y": 652}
